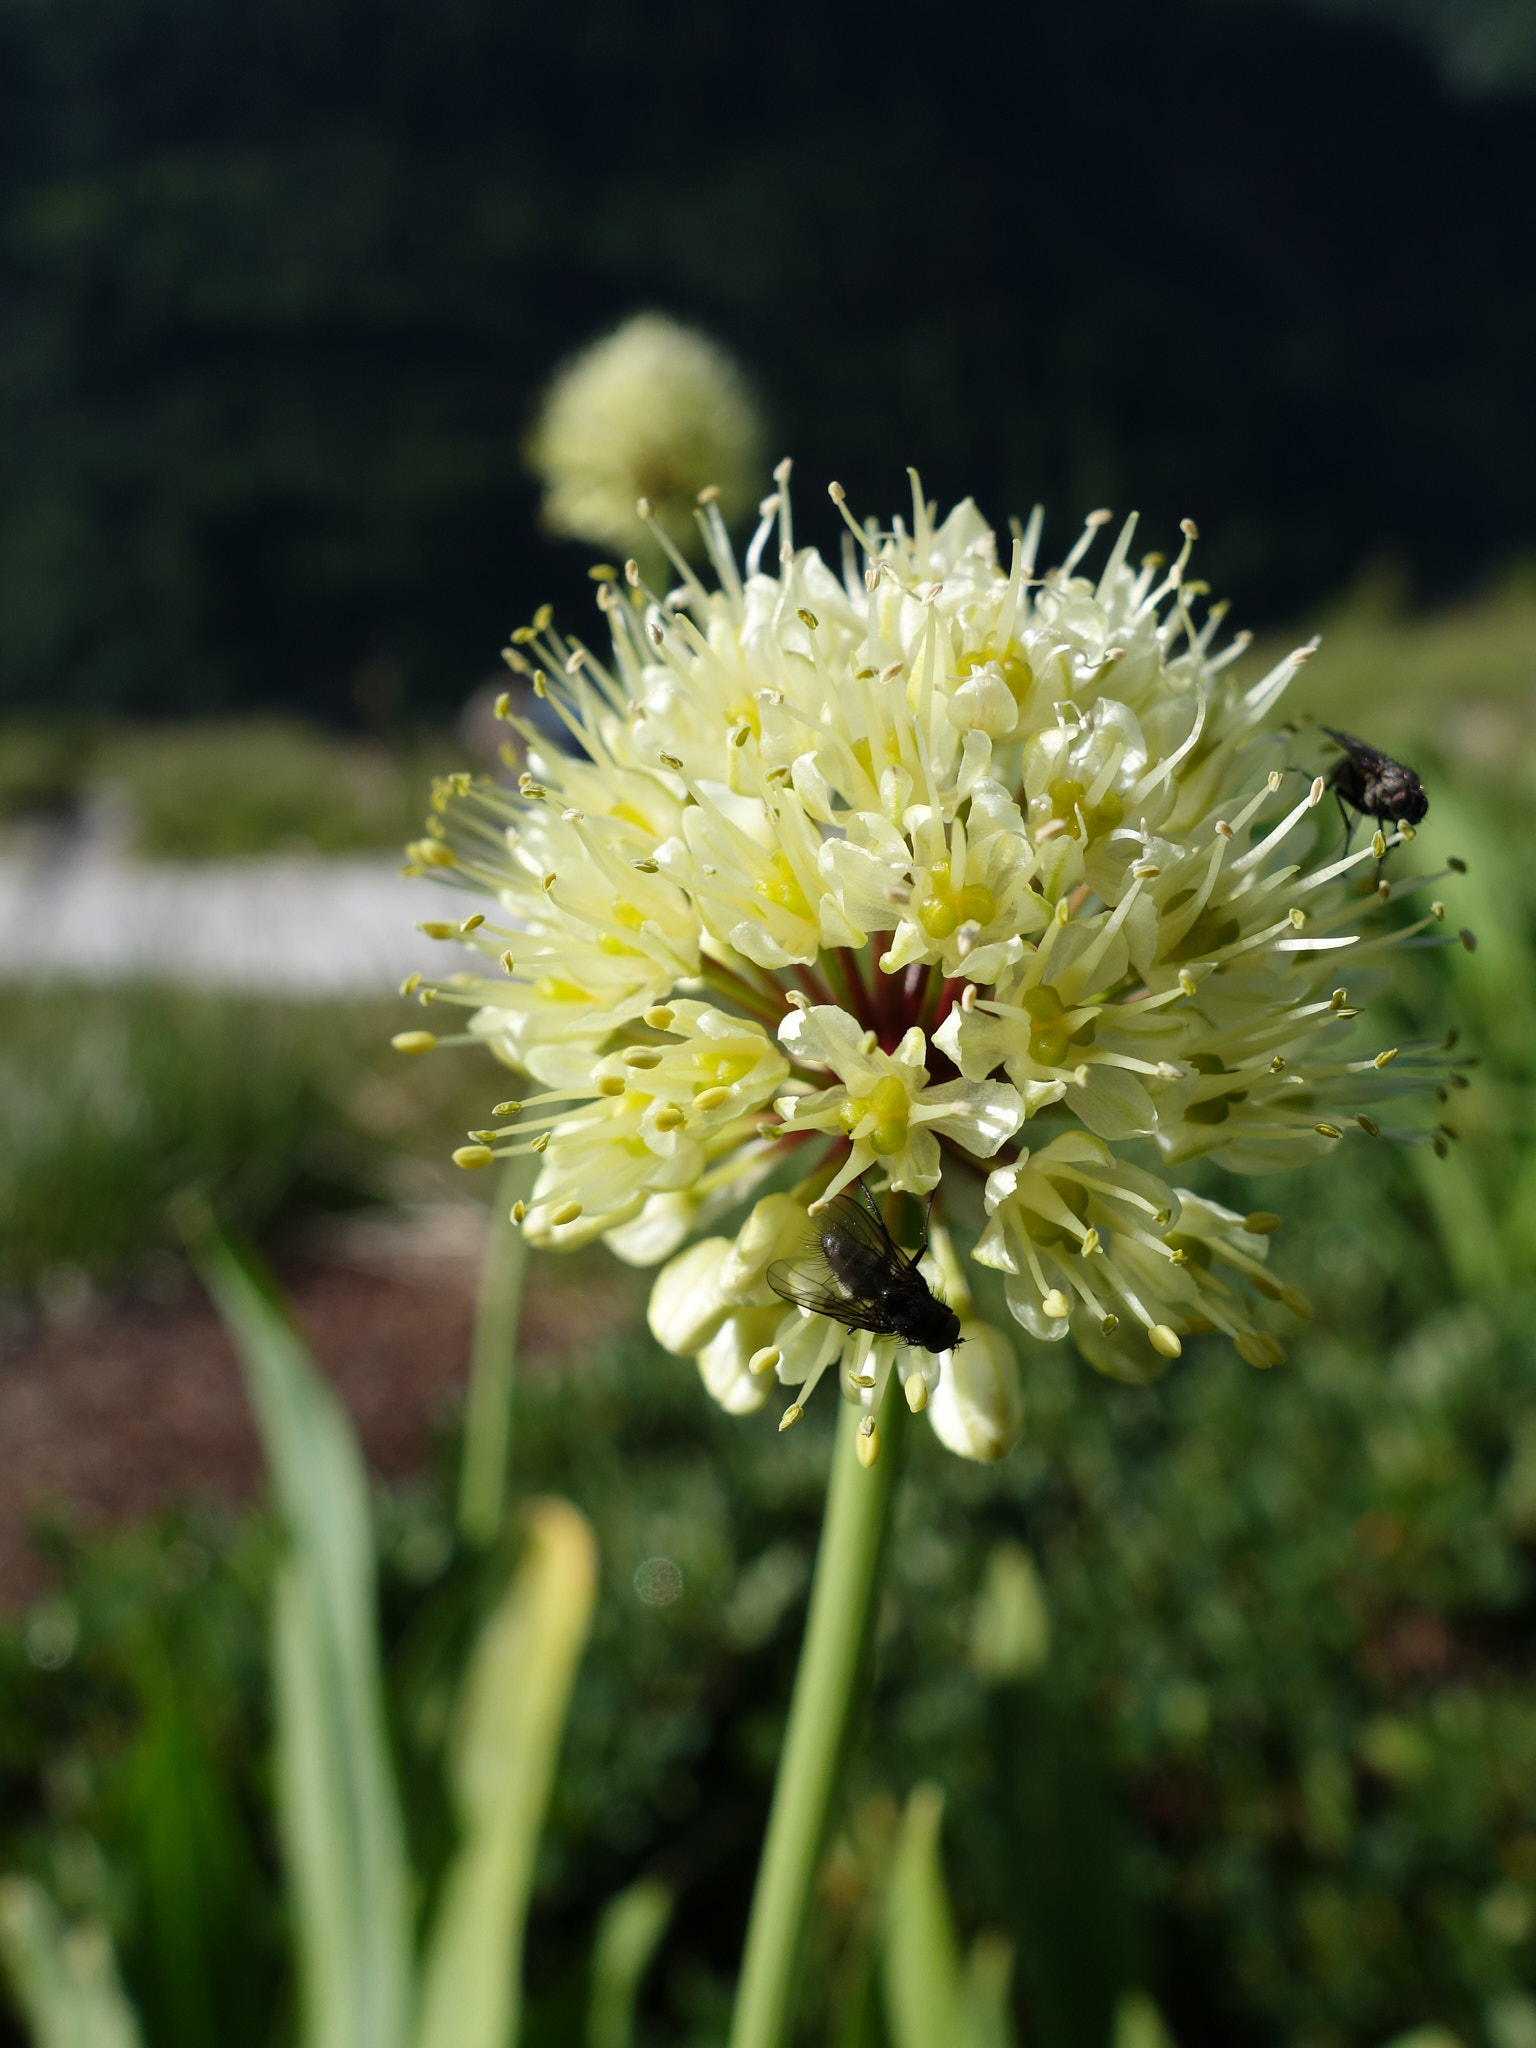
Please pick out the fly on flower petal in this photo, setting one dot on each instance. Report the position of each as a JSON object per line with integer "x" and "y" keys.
{"x": 858, "y": 1275}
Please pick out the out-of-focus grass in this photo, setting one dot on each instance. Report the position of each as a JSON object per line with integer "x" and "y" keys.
{"x": 115, "y": 1101}
{"x": 226, "y": 788}
{"x": 1461, "y": 682}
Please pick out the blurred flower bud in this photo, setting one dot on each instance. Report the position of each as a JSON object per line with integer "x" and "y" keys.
{"x": 1010, "y": 1627}
{"x": 724, "y": 1362}
{"x": 656, "y": 411}
{"x": 977, "y": 1410}
{"x": 687, "y": 1307}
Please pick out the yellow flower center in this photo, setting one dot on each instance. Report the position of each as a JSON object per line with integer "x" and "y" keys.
{"x": 888, "y": 1103}
{"x": 550, "y": 988}
{"x": 1050, "y": 1042}
{"x": 1068, "y": 800}
{"x": 944, "y": 909}
{"x": 779, "y": 886}
{"x": 1012, "y": 666}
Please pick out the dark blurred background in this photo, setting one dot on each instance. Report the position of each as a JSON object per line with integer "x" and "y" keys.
{"x": 279, "y": 286}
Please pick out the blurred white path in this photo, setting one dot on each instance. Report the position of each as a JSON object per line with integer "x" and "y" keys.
{"x": 293, "y": 925}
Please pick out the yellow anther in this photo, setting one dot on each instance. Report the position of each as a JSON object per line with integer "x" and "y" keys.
{"x": 1164, "y": 1340}
{"x": 1338, "y": 999}
{"x": 1298, "y": 918}
{"x": 1262, "y": 1222}
{"x": 1090, "y": 1243}
{"x": 861, "y": 1379}
{"x": 518, "y": 1211}
{"x": 413, "y": 1041}
{"x": 507, "y": 1109}
{"x": 761, "y": 1363}
{"x": 670, "y": 761}
{"x": 503, "y": 706}
{"x": 1385, "y": 1059}
{"x": 1315, "y": 793}
{"x": 915, "y": 1387}
{"x": 646, "y": 867}
{"x": 540, "y": 1143}
{"x": 471, "y": 924}
{"x": 507, "y": 962}
{"x": 1368, "y": 1124}
{"x": 1109, "y": 1324}
{"x": 603, "y": 572}
{"x": 411, "y": 983}
{"x": 473, "y": 1155}
{"x": 611, "y": 1084}
{"x": 432, "y": 853}
{"x": 543, "y": 618}
{"x": 1379, "y": 844}
{"x": 1437, "y": 912}
{"x": 868, "y": 1043}
{"x": 1277, "y": 1064}
{"x": 867, "y": 1442}
{"x": 670, "y": 1118}
{"x": 1275, "y": 780}
{"x": 659, "y": 1017}
{"x": 1056, "y": 1305}
{"x": 566, "y": 1213}
{"x": 1328, "y": 1130}
{"x": 791, "y": 1415}
{"x": 1187, "y": 981}
{"x": 642, "y": 1057}
{"x": 711, "y": 1098}
{"x": 1297, "y": 1303}
{"x": 1224, "y": 830}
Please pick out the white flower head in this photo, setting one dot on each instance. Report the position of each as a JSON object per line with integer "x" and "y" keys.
{"x": 942, "y": 867}
{"x": 653, "y": 411}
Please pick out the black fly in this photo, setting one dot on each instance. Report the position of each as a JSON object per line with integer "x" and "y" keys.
{"x": 1374, "y": 786}
{"x": 855, "y": 1272}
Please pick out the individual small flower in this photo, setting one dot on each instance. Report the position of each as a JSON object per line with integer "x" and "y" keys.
{"x": 941, "y": 869}
{"x": 642, "y": 1120}
{"x": 883, "y": 1103}
{"x": 653, "y": 411}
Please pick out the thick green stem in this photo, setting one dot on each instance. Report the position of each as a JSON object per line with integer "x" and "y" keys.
{"x": 493, "y": 1366}
{"x": 836, "y": 1633}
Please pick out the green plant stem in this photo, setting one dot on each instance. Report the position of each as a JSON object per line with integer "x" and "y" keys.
{"x": 493, "y": 1365}
{"x": 836, "y": 1632}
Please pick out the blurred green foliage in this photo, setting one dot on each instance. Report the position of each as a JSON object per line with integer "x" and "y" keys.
{"x": 223, "y": 789}
{"x": 115, "y": 1101}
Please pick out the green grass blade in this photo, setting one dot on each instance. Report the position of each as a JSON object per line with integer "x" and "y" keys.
{"x": 627, "y": 1938}
{"x": 63, "y": 1979}
{"x": 922, "y": 1960}
{"x": 502, "y": 1757}
{"x": 493, "y": 1366}
{"x": 338, "y": 1804}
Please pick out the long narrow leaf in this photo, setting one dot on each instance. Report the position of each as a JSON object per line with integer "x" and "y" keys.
{"x": 502, "y": 1765}
{"x": 64, "y": 1979}
{"x": 922, "y": 1961}
{"x": 338, "y": 1804}
{"x": 627, "y": 1936}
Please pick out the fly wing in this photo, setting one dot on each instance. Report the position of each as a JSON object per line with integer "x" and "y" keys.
{"x": 853, "y": 1214}
{"x": 1359, "y": 751}
{"x": 810, "y": 1283}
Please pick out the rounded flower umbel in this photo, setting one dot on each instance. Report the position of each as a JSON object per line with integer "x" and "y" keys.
{"x": 980, "y": 884}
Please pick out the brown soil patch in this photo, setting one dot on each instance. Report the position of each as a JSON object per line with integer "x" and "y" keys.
{"x": 118, "y": 1410}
